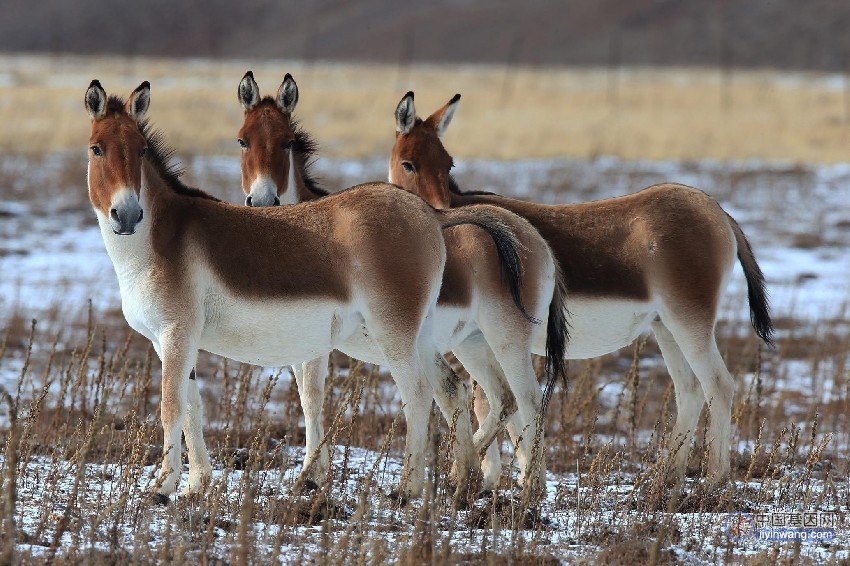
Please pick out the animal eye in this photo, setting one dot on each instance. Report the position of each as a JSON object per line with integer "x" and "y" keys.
{"x": 242, "y": 143}
{"x": 143, "y": 152}
{"x": 408, "y": 166}
{"x": 96, "y": 151}
{"x": 288, "y": 145}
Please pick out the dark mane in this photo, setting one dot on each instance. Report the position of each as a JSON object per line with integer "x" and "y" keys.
{"x": 453, "y": 187}
{"x": 160, "y": 155}
{"x": 305, "y": 147}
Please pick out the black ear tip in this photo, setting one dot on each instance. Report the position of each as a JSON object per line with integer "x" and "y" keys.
{"x": 409, "y": 95}
{"x": 288, "y": 77}
{"x": 144, "y": 85}
{"x": 95, "y": 83}
{"x": 455, "y": 98}
{"x": 248, "y": 74}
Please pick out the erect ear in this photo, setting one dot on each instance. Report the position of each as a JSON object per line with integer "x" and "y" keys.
{"x": 405, "y": 114}
{"x": 95, "y": 100}
{"x": 441, "y": 119}
{"x": 139, "y": 102}
{"x": 249, "y": 92}
{"x": 287, "y": 94}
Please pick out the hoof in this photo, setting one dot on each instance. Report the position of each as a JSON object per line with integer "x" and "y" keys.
{"x": 160, "y": 499}
{"x": 465, "y": 496}
{"x": 401, "y": 499}
{"x": 462, "y": 504}
{"x": 464, "y": 500}
{"x": 191, "y": 494}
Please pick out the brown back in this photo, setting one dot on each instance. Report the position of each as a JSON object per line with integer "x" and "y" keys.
{"x": 668, "y": 238}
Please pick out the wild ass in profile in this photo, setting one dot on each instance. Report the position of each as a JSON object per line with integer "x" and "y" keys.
{"x": 367, "y": 261}
{"x": 476, "y": 317}
{"x": 657, "y": 258}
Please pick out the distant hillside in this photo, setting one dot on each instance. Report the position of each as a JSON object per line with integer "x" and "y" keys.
{"x": 786, "y": 34}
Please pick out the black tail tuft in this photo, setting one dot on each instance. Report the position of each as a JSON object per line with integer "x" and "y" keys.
{"x": 557, "y": 336}
{"x": 756, "y": 287}
{"x": 507, "y": 247}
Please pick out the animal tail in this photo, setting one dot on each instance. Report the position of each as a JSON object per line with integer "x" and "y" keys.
{"x": 756, "y": 289}
{"x": 557, "y": 336}
{"x": 507, "y": 245}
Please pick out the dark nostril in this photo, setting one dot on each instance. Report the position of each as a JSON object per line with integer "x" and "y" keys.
{"x": 114, "y": 215}
{"x": 248, "y": 201}
{"x": 141, "y": 214}
{"x": 276, "y": 201}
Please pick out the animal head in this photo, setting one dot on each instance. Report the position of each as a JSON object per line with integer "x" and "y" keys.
{"x": 267, "y": 139}
{"x": 116, "y": 151}
{"x": 419, "y": 163}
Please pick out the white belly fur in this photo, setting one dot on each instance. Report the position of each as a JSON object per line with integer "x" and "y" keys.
{"x": 274, "y": 334}
{"x": 270, "y": 332}
{"x": 598, "y": 327}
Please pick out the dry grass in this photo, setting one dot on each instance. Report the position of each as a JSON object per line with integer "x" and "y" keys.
{"x": 507, "y": 112}
{"x": 81, "y": 456}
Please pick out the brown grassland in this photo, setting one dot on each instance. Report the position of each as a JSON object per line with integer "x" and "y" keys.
{"x": 508, "y": 113}
{"x": 79, "y": 427}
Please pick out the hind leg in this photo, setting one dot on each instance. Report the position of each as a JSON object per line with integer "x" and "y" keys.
{"x": 491, "y": 463}
{"x": 451, "y": 396}
{"x": 476, "y": 356}
{"x": 416, "y": 397}
{"x": 718, "y": 387}
{"x": 526, "y": 424}
{"x": 310, "y": 377}
{"x": 689, "y": 397}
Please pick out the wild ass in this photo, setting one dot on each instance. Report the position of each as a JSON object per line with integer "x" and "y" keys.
{"x": 368, "y": 261}
{"x": 657, "y": 258}
{"x": 476, "y": 317}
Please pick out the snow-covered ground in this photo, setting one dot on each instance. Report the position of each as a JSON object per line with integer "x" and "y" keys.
{"x": 52, "y": 263}
{"x": 574, "y": 516}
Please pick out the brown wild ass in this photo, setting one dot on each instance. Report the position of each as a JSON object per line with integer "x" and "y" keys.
{"x": 359, "y": 272}
{"x": 657, "y": 258}
{"x": 476, "y": 316}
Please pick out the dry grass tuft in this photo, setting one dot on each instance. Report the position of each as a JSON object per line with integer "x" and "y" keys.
{"x": 89, "y": 443}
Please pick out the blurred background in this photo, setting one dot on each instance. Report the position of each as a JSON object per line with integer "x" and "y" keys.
{"x": 636, "y": 79}
{"x": 778, "y": 34}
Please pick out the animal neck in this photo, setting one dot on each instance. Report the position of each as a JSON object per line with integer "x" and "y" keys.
{"x": 456, "y": 197}
{"x": 456, "y": 200}
{"x": 295, "y": 190}
{"x": 155, "y": 188}
{"x": 306, "y": 187}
